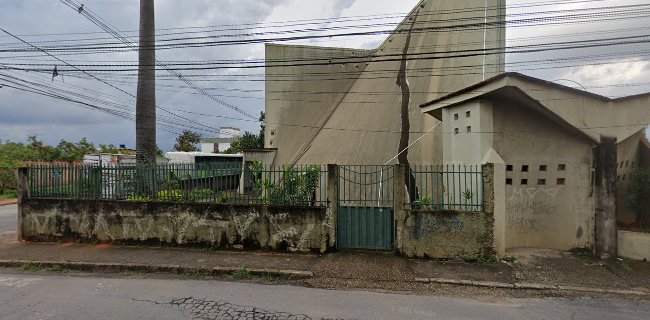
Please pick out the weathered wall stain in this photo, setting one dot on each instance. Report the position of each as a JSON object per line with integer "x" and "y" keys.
{"x": 294, "y": 229}
{"x": 528, "y": 208}
{"x": 447, "y": 234}
{"x": 425, "y": 226}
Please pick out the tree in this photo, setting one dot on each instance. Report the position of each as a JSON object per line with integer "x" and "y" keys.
{"x": 145, "y": 135}
{"x": 187, "y": 141}
{"x": 247, "y": 141}
{"x": 639, "y": 196}
{"x": 69, "y": 151}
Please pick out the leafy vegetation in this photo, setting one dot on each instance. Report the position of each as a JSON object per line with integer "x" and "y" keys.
{"x": 639, "y": 196}
{"x": 296, "y": 187}
{"x": 241, "y": 274}
{"x": 187, "y": 141}
{"x": 249, "y": 140}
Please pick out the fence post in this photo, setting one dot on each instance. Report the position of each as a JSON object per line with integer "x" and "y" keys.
{"x": 23, "y": 193}
{"x": 494, "y": 199}
{"x": 399, "y": 202}
{"x": 333, "y": 202}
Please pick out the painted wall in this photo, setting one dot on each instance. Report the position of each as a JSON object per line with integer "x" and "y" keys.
{"x": 549, "y": 191}
{"x": 350, "y": 112}
{"x": 447, "y": 234}
{"x": 634, "y": 245}
{"x": 292, "y": 229}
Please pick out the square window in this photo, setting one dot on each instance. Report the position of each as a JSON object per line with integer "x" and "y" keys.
{"x": 270, "y": 142}
{"x": 272, "y": 132}
{"x": 455, "y": 116}
{"x": 561, "y": 167}
{"x": 541, "y": 182}
{"x": 468, "y": 114}
{"x": 524, "y": 168}
{"x": 524, "y": 182}
{"x": 509, "y": 167}
{"x": 456, "y": 131}
{"x": 469, "y": 129}
{"x": 542, "y": 167}
{"x": 509, "y": 181}
{"x": 561, "y": 181}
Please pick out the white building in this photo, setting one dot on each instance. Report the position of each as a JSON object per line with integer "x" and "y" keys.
{"x": 226, "y": 136}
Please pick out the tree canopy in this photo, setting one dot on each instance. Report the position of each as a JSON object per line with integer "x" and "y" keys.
{"x": 187, "y": 141}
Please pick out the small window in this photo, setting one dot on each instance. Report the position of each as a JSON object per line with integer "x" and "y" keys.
{"x": 509, "y": 181}
{"x": 469, "y": 129}
{"x": 455, "y": 116}
{"x": 468, "y": 114}
{"x": 509, "y": 167}
{"x": 541, "y": 182}
{"x": 621, "y": 164}
{"x": 561, "y": 181}
{"x": 561, "y": 167}
{"x": 272, "y": 132}
{"x": 270, "y": 142}
{"x": 456, "y": 131}
{"x": 524, "y": 168}
{"x": 524, "y": 182}
{"x": 542, "y": 167}
{"x": 627, "y": 164}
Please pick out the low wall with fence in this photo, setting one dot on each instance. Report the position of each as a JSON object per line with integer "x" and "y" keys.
{"x": 251, "y": 227}
{"x": 443, "y": 211}
{"x": 452, "y": 215}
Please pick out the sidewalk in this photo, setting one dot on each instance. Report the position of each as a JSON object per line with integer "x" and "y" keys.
{"x": 8, "y": 201}
{"x": 534, "y": 270}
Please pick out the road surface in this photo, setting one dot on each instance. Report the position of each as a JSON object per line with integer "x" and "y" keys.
{"x": 52, "y": 296}
{"x": 8, "y": 219}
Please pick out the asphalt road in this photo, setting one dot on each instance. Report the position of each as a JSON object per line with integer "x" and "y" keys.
{"x": 52, "y": 296}
{"x": 8, "y": 218}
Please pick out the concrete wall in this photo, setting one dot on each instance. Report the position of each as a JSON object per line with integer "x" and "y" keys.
{"x": 629, "y": 159}
{"x": 447, "y": 234}
{"x": 634, "y": 245}
{"x": 293, "y": 229}
{"x": 349, "y": 110}
{"x": 542, "y": 210}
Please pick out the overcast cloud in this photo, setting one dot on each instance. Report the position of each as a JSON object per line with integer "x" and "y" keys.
{"x": 626, "y": 72}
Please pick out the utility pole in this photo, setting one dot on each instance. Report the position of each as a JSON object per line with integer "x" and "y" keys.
{"x": 145, "y": 113}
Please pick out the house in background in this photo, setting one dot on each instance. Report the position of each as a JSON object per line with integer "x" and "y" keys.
{"x": 226, "y": 136}
{"x": 552, "y": 141}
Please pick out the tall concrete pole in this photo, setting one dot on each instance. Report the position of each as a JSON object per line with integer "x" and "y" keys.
{"x": 145, "y": 118}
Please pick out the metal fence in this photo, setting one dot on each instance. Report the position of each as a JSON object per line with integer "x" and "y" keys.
{"x": 234, "y": 183}
{"x": 445, "y": 187}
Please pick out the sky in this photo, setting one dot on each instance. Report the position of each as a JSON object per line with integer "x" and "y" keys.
{"x": 612, "y": 71}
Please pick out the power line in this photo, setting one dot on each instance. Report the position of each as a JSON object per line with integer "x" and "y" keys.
{"x": 99, "y": 22}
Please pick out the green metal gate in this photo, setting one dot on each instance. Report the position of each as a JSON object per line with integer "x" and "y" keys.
{"x": 366, "y": 217}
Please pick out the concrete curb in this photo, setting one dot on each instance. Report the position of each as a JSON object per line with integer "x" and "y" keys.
{"x": 175, "y": 269}
{"x": 532, "y": 286}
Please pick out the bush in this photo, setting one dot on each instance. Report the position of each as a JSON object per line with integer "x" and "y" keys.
{"x": 639, "y": 196}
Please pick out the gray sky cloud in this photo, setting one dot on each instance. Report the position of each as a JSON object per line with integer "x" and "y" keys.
{"x": 22, "y": 114}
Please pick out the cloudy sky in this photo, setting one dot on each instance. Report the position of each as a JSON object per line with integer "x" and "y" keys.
{"x": 612, "y": 71}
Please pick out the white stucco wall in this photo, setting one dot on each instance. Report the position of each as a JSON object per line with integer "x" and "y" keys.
{"x": 541, "y": 210}
{"x": 634, "y": 245}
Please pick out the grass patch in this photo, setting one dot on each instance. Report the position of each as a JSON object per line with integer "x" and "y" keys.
{"x": 57, "y": 268}
{"x": 621, "y": 263}
{"x": 32, "y": 267}
{"x": 241, "y": 274}
{"x": 9, "y": 194}
{"x": 198, "y": 273}
{"x": 511, "y": 259}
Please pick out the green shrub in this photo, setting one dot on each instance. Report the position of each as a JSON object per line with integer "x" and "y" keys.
{"x": 639, "y": 195}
